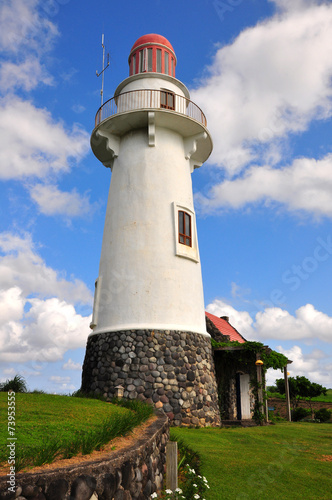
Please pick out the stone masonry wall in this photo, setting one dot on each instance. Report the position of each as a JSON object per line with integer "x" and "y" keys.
{"x": 174, "y": 370}
{"x": 130, "y": 474}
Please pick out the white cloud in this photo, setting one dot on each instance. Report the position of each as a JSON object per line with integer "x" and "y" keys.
{"x": 26, "y": 75}
{"x": 49, "y": 329}
{"x": 25, "y": 27}
{"x": 63, "y": 382}
{"x": 71, "y": 365}
{"x": 25, "y": 36}
{"x": 33, "y": 144}
{"x": 273, "y": 80}
{"x": 22, "y": 267}
{"x": 38, "y": 320}
{"x": 11, "y": 304}
{"x": 304, "y": 185}
{"x": 275, "y": 323}
{"x": 308, "y": 323}
{"x": 59, "y": 380}
{"x": 78, "y": 108}
{"x": 307, "y": 365}
{"x": 241, "y": 320}
{"x": 52, "y": 201}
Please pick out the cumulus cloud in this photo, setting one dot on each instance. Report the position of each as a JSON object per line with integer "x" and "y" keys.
{"x": 38, "y": 320}
{"x": 21, "y": 266}
{"x": 25, "y": 26}
{"x": 44, "y": 333}
{"x": 26, "y": 75}
{"x": 270, "y": 83}
{"x": 241, "y": 320}
{"x": 33, "y": 144}
{"x": 71, "y": 365}
{"x": 26, "y": 35}
{"x": 308, "y": 365}
{"x": 307, "y": 323}
{"x": 52, "y": 201}
{"x": 275, "y": 324}
{"x": 304, "y": 185}
{"x": 274, "y": 79}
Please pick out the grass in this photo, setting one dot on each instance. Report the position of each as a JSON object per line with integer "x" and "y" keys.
{"x": 321, "y": 398}
{"x": 50, "y": 426}
{"x": 325, "y": 399}
{"x": 289, "y": 461}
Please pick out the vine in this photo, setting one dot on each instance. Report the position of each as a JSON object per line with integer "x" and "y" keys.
{"x": 270, "y": 358}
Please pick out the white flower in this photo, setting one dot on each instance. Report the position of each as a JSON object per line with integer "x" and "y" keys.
{"x": 178, "y": 490}
{"x": 154, "y": 495}
{"x": 195, "y": 485}
{"x": 204, "y": 479}
{"x": 169, "y": 492}
{"x": 196, "y": 496}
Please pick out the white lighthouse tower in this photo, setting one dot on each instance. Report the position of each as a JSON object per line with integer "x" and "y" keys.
{"x": 152, "y": 137}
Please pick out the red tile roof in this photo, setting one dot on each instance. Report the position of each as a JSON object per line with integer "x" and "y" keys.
{"x": 226, "y": 328}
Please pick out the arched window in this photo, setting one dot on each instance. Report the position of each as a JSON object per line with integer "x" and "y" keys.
{"x": 184, "y": 228}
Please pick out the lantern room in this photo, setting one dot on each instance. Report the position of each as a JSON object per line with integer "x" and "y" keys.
{"x": 152, "y": 54}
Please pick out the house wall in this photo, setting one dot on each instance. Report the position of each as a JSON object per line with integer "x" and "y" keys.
{"x": 227, "y": 365}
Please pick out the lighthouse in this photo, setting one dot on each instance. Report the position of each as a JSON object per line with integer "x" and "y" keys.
{"x": 148, "y": 324}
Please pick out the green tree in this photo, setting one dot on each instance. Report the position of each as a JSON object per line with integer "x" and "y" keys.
{"x": 300, "y": 388}
{"x": 17, "y": 384}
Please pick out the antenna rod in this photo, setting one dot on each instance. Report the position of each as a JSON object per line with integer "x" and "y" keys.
{"x": 102, "y": 71}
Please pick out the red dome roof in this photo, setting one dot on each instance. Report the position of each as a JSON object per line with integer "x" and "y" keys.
{"x": 151, "y": 39}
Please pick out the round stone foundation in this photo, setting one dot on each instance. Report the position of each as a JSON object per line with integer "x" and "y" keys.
{"x": 173, "y": 370}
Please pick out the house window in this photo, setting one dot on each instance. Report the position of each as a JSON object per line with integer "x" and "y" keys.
{"x": 158, "y": 60}
{"x": 167, "y": 100}
{"x": 184, "y": 228}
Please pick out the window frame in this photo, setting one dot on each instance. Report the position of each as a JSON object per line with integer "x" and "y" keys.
{"x": 169, "y": 99}
{"x": 181, "y": 249}
{"x": 186, "y": 223}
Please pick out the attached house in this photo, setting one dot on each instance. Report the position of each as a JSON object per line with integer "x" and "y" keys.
{"x": 236, "y": 371}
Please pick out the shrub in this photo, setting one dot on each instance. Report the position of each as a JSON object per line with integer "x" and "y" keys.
{"x": 17, "y": 384}
{"x": 323, "y": 414}
{"x": 299, "y": 413}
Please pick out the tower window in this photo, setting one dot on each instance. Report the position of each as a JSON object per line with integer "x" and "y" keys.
{"x": 149, "y": 59}
{"x": 134, "y": 64}
{"x": 166, "y": 63}
{"x": 184, "y": 228}
{"x": 167, "y": 100}
{"x": 158, "y": 60}
{"x": 143, "y": 61}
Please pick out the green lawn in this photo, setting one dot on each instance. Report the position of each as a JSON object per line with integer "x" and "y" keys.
{"x": 322, "y": 398}
{"x": 49, "y": 426}
{"x": 287, "y": 461}
{"x": 326, "y": 399}
{"x": 40, "y": 416}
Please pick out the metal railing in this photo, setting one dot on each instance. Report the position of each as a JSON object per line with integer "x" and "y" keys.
{"x": 149, "y": 99}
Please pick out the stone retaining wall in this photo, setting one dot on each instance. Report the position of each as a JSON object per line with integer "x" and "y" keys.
{"x": 171, "y": 369}
{"x": 133, "y": 473}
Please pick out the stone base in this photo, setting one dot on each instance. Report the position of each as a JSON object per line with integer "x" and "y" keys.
{"x": 173, "y": 370}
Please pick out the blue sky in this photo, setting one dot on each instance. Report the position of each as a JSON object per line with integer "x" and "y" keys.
{"x": 262, "y": 72}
